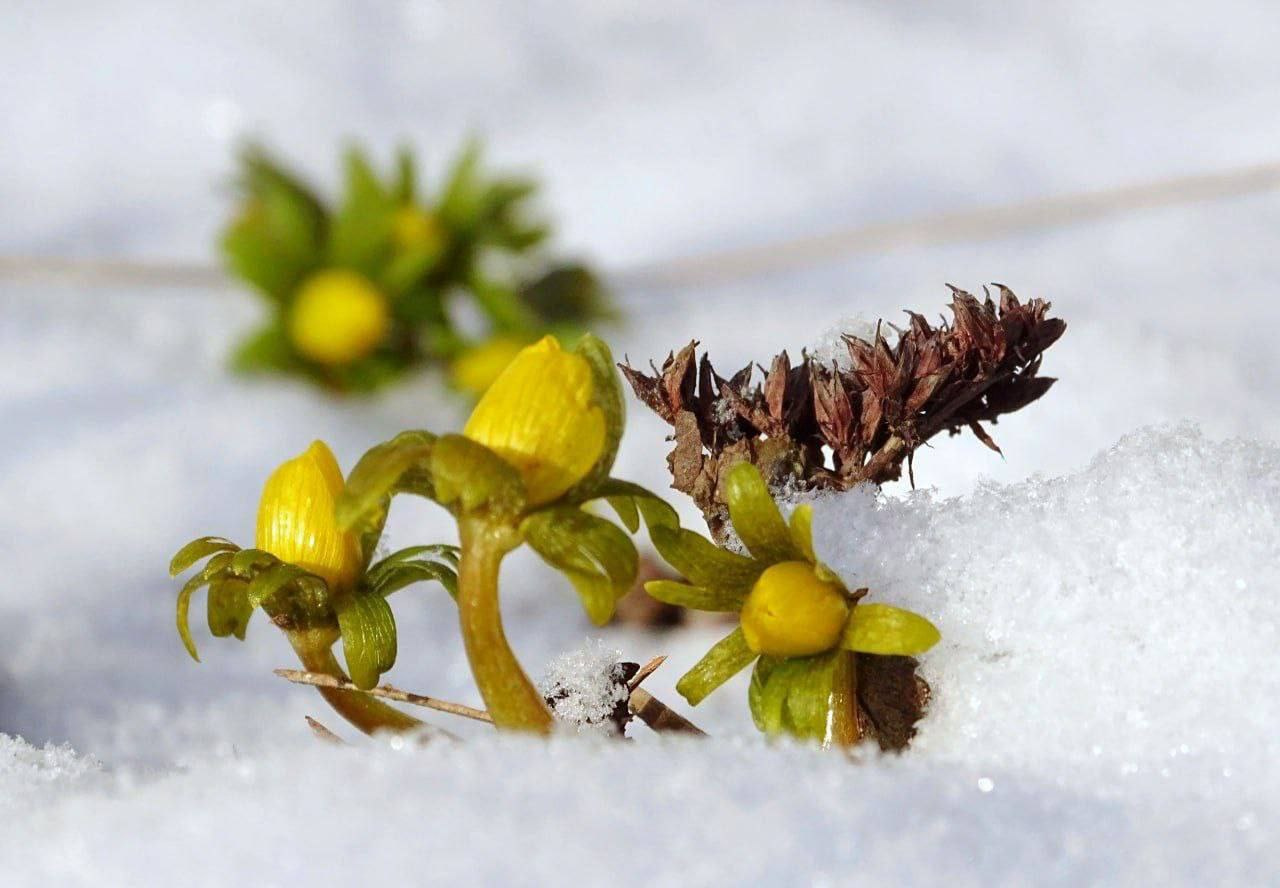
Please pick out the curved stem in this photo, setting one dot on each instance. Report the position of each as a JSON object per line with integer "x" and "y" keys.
{"x": 366, "y": 713}
{"x": 844, "y": 730}
{"x": 509, "y": 695}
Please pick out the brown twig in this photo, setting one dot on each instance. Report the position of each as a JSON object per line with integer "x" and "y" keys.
{"x": 645, "y": 671}
{"x": 661, "y": 717}
{"x": 648, "y": 708}
{"x": 297, "y": 676}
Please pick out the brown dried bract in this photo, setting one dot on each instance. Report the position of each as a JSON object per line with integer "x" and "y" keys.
{"x": 870, "y": 415}
{"x": 891, "y": 699}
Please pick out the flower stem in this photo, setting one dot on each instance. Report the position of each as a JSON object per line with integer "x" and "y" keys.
{"x": 844, "y": 730}
{"x": 509, "y": 695}
{"x": 315, "y": 650}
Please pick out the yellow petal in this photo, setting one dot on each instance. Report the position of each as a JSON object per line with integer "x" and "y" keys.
{"x": 476, "y": 369}
{"x": 540, "y": 416}
{"x": 296, "y": 520}
{"x": 338, "y": 317}
{"x": 791, "y": 612}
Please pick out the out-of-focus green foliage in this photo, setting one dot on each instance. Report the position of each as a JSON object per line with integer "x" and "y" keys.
{"x": 425, "y": 252}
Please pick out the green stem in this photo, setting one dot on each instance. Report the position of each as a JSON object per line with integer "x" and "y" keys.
{"x": 844, "y": 731}
{"x": 512, "y": 700}
{"x": 315, "y": 650}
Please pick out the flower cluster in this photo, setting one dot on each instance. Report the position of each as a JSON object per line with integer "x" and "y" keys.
{"x": 536, "y": 451}
{"x": 362, "y": 292}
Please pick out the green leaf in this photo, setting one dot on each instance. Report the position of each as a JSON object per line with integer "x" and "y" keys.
{"x": 597, "y": 557}
{"x": 368, "y": 636}
{"x": 792, "y": 695}
{"x": 444, "y": 553}
{"x": 628, "y": 499}
{"x": 704, "y": 563}
{"x": 756, "y": 518}
{"x": 272, "y": 580}
{"x": 694, "y": 597}
{"x": 471, "y": 475}
{"x": 276, "y": 238}
{"x": 461, "y": 202}
{"x": 567, "y": 294}
{"x": 729, "y": 657}
{"x": 247, "y": 562}
{"x": 401, "y": 465}
{"x": 406, "y": 182}
{"x": 197, "y": 549}
{"x": 360, "y": 237}
{"x": 267, "y": 349}
{"x": 229, "y": 609}
{"x": 212, "y": 569}
{"x": 888, "y": 630}
{"x": 397, "y": 576}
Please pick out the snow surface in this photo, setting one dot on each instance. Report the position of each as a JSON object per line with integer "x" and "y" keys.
{"x": 1105, "y": 703}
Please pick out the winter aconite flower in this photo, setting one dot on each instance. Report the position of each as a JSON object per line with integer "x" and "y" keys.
{"x": 338, "y": 318}
{"x": 798, "y": 622}
{"x": 538, "y": 446}
{"x": 295, "y": 518}
{"x": 315, "y": 582}
{"x": 541, "y": 416}
{"x": 366, "y": 288}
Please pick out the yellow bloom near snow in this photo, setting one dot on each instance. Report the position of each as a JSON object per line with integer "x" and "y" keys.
{"x": 539, "y": 416}
{"x": 476, "y": 369}
{"x": 790, "y": 612}
{"x": 338, "y": 317}
{"x": 296, "y": 518}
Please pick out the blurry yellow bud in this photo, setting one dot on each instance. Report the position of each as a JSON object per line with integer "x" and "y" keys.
{"x": 296, "y": 521}
{"x": 475, "y": 369}
{"x": 338, "y": 317}
{"x": 790, "y": 612}
{"x": 414, "y": 229}
{"x": 538, "y": 416}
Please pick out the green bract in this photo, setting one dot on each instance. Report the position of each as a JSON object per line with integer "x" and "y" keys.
{"x": 242, "y": 580}
{"x": 799, "y": 624}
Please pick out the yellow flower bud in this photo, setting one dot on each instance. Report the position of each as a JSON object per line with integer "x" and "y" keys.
{"x": 296, "y": 521}
{"x": 338, "y": 317}
{"x": 790, "y": 612}
{"x": 539, "y": 417}
{"x": 475, "y": 369}
{"x": 413, "y": 229}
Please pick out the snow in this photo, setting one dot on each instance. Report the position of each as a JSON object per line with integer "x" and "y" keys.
{"x": 586, "y": 685}
{"x": 1105, "y": 703}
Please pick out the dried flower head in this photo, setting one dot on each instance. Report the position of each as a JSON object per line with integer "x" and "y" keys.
{"x": 870, "y": 415}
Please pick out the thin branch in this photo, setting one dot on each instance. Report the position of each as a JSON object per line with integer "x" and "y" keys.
{"x": 645, "y": 671}
{"x": 319, "y": 680}
{"x": 648, "y": 708}
{"x": 661, "y": 717}
{"x": 715, "y": 267}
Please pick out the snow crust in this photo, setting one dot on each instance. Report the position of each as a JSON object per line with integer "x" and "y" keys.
{"x": 1105, "y": 705}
